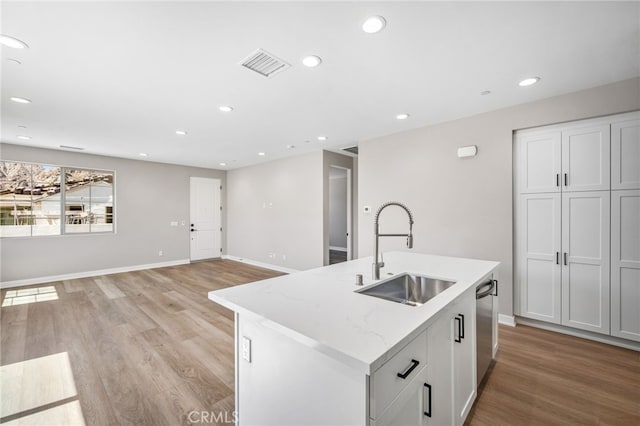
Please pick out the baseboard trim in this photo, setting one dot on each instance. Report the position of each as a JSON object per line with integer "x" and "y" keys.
{"x": 610, "y": 340}
{"x": 85, "y": 274}
{"x": 337, "y": 248}
{"x": 509, "y": 320}
{"x": 260, "y": 264}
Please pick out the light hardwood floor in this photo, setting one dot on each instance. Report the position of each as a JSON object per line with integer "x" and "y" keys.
{"x": 148, "y": 348}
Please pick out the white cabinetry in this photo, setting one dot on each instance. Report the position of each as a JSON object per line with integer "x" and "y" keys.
{"x": 585, "y": 260}
{"x": 585, "y": 158}
{"x": 464, "y": 357}
{"x": 625, "y": 155}
{"x": 539, "y": 264}
{"x": 575, "y": 225}
{"x": 443, "y": 392}
{"x": 625, "y": 264}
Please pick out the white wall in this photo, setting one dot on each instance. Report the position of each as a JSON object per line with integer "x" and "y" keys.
{"x": 148, "y": 197}
{"x": 463, "y": 207}
{"x": 276, "y": 207}
{"x": 338, "y": 211}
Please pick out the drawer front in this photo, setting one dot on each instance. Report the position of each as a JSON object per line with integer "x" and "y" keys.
{"x": 385, "y": 383}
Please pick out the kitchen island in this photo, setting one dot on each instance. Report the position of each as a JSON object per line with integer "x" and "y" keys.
{"x": 312, "y": 350}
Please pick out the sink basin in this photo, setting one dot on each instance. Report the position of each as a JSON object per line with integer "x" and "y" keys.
{"x": 409, "y": 289}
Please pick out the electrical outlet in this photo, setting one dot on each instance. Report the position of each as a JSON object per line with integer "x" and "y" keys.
{"x": 246, "y": 349}
{"x": 160, "y": 253}
{"x": 284, "y": 257}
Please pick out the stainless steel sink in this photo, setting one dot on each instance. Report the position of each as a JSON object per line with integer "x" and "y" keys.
{"x": 409, "y": 289}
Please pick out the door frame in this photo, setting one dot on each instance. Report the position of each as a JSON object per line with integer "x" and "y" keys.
{"x": 349, "y": 211}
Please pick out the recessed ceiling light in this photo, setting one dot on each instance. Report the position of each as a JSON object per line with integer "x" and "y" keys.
{"x": 75, "y": 148}
{"x": 12, "y": 42}
{"x": 529, "y": 81}
{"x": 374, "y": 24}
{"x": 322, "y": 138}
{"x": 290, "y": 146}
{"x": 485, "y": 92}
{"x": 22, "y": 127}
{"x": 402, "y": 116}
{"x": 225, "y": 108}
{"x": 223, "y": 164}
{"x": 24, "y": 138}
{"x": 181, "y": 133}
{"x": 14, "y": 61}
{"x": 312, "y": 61}
{"x": 261, "y": 154}
{"x": 142, "y": 154}
{"x": 20, "y": 100}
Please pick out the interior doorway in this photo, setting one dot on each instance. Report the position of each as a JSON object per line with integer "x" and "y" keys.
{"x": 205, "y": 218}
{"x": 339, "y": 214}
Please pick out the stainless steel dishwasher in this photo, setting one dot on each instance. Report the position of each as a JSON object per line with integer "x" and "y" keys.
{"x": 485, "y": 294}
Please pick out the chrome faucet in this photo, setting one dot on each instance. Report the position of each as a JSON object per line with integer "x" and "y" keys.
{"x": 376, "y": 230}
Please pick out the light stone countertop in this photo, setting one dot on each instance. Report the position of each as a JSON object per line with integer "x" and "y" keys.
{"x": 319, "y": 307}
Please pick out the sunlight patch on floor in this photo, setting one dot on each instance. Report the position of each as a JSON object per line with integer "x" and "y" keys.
{"x": 34, "y": 383}
{"x": 29, "y": 295}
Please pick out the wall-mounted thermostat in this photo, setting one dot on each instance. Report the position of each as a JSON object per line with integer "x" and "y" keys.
{"x": 467, "y": 151}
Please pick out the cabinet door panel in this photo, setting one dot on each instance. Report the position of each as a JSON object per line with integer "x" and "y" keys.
{"x": 539, "y": 162}
{"x": 440, "y": 370}
{"x": 586, "y": 159}
{"x": 625, "y": 264}
{"x": 464, "y": 359}
{"x": 585, "y": 271}
{"x": 539, "y": 269}
{"x": 409, "y": 406}
{"x": 625, "y": 155}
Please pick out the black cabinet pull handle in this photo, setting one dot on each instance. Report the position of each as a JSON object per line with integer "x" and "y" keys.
{"x": 565, "y": 179}
{"x": 414, "y": 364}
{"x": 428, "y": 413}
{"x": 557, "y": 179}
{"x": 495, "y": 283}
{"x": 565, "y": 259}
{"x": 462, "y": 333}
{"x": 557, "y": 258}
{"x": 459, "y": 338}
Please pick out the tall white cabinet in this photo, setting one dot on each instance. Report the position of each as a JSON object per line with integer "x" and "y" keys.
{"x": 577, "y": 225}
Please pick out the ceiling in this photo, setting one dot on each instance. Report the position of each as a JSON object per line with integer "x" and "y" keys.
{"x": 120, "y": 78}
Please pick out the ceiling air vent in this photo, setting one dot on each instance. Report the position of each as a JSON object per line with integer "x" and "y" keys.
{"x": 264, "y": 63}
{"x": 352, "y": 149}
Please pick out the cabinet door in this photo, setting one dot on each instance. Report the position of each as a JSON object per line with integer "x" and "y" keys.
{"x": 586, "y": 159}
{"x": 464, "y": 357}
{"x": 625, "y": 155}
{"x": 539, "y": 271}
{"x": 625, "y": 264}
{"x": 539, "y": 162}
{"x": 440, "y": 371}
{"x": 408, "y": 409}
{"x": 585, "y": 270}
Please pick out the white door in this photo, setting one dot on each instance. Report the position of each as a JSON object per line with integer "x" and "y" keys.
{"x": 539, "y": 271}
{"x": 586, "y": 159}
{"x": 205, "y": 223}
{"x": 625, "y": 264}
{"x": 539, "y": 161}
{"x": 625, "y": 155}
{"x": 585, "y": 260}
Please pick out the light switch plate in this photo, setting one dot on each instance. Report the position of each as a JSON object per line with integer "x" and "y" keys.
{"x": 246, "y": 349}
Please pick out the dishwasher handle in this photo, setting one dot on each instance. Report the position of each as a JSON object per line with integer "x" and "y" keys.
{"x": 486, "y": 289}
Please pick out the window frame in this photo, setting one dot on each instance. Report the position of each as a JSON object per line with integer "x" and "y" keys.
{"x": 63, "y": 189}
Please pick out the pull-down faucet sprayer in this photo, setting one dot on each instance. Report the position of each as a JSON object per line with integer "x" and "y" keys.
{"x": 379, "y": 264}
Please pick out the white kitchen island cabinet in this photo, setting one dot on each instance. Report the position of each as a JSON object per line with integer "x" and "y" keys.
{"x": 311, "y": 351}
